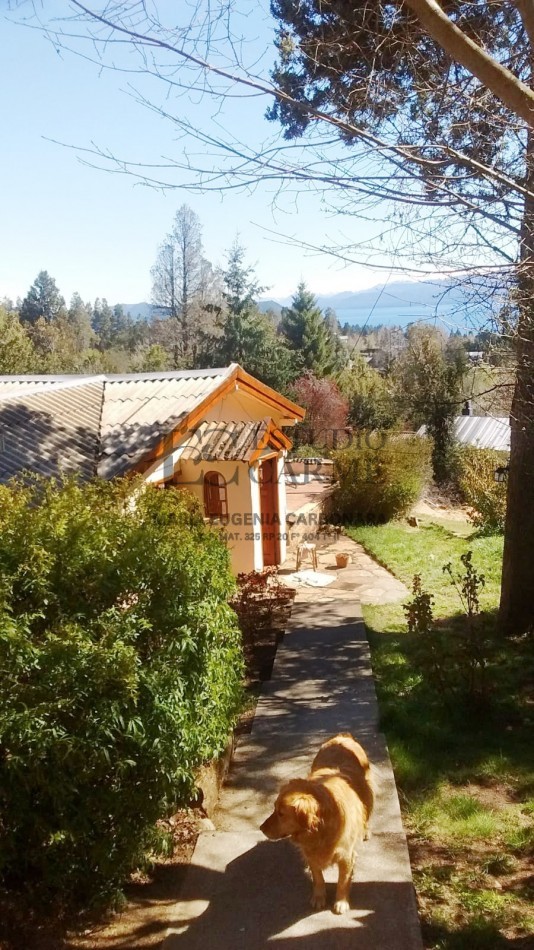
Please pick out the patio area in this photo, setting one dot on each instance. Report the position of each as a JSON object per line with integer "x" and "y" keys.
{"x": 363, "y": 579}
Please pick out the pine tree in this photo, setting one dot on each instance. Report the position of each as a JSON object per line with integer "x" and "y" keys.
{"x": 307, "y": 334}
{"x": 248, "y": 337}
{"x": 42, "y": 300}
{"x": 102, "y": 323}
{"x": 79, "y": 319}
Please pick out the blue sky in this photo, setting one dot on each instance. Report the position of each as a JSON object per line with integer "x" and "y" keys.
{"x": 97, "y": 232}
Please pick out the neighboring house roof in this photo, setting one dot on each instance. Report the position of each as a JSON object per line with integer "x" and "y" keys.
{"x": 484, "y": 432}
{"x": 109, "y": 424}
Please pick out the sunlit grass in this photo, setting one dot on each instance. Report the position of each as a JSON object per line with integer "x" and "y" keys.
{"x": 465, "y": 776}
{"x": 425, "y": 550}
{"x": 452, "y": 817}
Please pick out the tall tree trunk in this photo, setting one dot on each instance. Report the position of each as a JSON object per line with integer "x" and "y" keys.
{"x": 517, "y": 590}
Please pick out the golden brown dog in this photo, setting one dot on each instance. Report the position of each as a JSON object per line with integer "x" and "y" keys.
{"x": 327, "y": 813}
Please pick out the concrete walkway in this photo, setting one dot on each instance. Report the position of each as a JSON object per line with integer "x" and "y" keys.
{"x": 243, "y": 892}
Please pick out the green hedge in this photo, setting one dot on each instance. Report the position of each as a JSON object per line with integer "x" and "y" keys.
{"x": 120, "y": 672}
{"x": 379, "y": 477}
{"x": 476, "y": 481}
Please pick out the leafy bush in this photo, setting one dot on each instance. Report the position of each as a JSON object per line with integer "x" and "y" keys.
{"x": 260, "y": 596}
{"x": 476, "y": 481}
{"x": 452, "y": 659}
{"x": 379, "y": 477}
{"x": 120, "y": 670}
{"x": 310, "y": 452}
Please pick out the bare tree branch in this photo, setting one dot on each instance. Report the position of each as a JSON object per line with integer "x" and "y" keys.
{"x": 508, "y": 88}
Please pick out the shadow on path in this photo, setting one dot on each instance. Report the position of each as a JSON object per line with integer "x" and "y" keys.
{"x": 263, "y": 895}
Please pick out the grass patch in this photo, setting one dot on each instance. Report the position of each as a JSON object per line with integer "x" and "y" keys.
{"x": 407, "y": 551}
{"x": 465, "y": 774}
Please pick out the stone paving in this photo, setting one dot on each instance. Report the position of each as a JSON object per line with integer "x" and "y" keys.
{"x": 243, "y": 892}
{"x": 363, "y": 579}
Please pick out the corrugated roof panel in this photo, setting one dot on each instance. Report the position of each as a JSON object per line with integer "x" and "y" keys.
{"x": 51, "y": 431}
{"x": 137, "y": 413}
{"x": 224, "y": 441}
{"x": 24, "y": 385}
{"x": 486, "y": 432}
{"x": 105, "y": 423}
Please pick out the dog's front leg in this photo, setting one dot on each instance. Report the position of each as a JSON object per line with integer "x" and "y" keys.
{"x": 318, "y": 900}
{"x": 341, "y": 905}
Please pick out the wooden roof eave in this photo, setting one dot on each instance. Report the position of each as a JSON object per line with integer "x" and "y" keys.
{"x": 252, "y": 386}
{"x": 274, "y": 438}
{"x": 238, "y": 378}
{"x": 169, "y": 442}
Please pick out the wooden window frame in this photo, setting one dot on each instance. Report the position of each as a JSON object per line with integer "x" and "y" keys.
{"x": 215, "y": 496}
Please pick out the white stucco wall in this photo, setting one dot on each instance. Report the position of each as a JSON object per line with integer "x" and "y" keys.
{"x": 253, "y": 475}
{"x": 243, "y": 531}
{"x": 242, "y": 504}
{"x": 282, "y": 506}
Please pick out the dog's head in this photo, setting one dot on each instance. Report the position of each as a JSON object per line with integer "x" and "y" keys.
{"x": 296, "y": 810}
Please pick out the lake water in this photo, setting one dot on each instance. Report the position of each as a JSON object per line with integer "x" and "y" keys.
{"x": 402, "y": 316}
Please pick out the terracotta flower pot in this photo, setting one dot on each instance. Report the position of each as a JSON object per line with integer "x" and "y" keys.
{"x": 342, "y": 560}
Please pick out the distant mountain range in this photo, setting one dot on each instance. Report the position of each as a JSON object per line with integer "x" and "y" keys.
{"x": 143, "y": 311}
{"x": 397, "y": 294}
{"x": 397, "y": 303}
{"x": 138, "y": 311}
{"x": 400, "y": 293}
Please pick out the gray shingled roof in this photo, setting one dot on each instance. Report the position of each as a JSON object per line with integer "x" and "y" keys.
{"x": 94, "y": 425}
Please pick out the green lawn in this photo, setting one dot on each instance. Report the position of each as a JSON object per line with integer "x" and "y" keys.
{"x": 407, "y": 551}
{"x": 465, "y": 772}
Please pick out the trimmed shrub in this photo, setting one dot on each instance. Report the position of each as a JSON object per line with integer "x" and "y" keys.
{"x": 310, "y": 452}
{"x": 380, "y": 477}
{"x": 476, "y": 481}
{"x": 120, "y": 672}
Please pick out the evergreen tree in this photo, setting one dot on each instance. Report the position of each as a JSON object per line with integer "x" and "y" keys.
{"x": 56, "y": 345}
{"x": 153, "y": 359}
{"x": 102, "y": 323}
{"x": 42, "y": 300}
{"x": 372, "y": 403}
{"x": 17, "y": 354}
{"x": 120, "y": 325}
{"x": 307, "y": 334}
{"x": 79, "y": 317}
{"x": 247, "y": 336}
{"x": 428, "y": 381}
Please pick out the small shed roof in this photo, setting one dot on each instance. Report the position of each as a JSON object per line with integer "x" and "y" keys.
{"x": 484, "y": 432}
{"x": 232, "y": 441}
